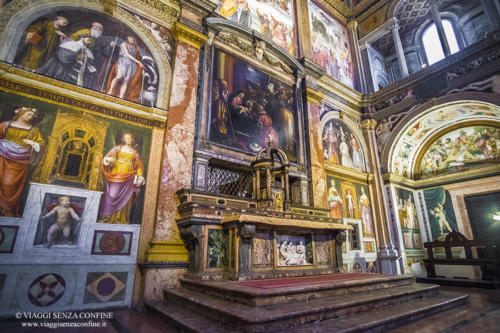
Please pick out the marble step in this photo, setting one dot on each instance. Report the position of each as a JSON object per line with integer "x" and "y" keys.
{"x": 254, "y": 296}
{"x": 383, "y": 319}
{"x": 276, "y": 317}
{"x": 184, "y": 319}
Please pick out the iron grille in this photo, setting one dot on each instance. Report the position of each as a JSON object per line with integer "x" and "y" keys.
{"x": 229, "y": 180}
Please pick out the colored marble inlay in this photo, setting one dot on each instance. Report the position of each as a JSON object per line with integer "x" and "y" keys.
{"x": 217, "y": 248}
{"x": 105, "y": 287}
{"x": 8, "y": 235}
{"x": 112, "y": 243}
{"x": 46, "y": 289}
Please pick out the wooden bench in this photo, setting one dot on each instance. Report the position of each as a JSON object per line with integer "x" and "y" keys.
{"x": 488, "y": 250}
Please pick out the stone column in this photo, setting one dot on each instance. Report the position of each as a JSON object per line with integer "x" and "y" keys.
{"x": 318, "y": 175}
{"x": 352, "y": 26}
{"x": 399, "y": 48}
{"x": 436, "y": 18}
{"x": 303, "y": 30}
{"x": 491, "y": 12}
{"x": 387, "y": 254}
{"x": 178, "y": 146}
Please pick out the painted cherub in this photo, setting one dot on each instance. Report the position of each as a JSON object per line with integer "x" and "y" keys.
{"x": 438, "y": 212}
{"x": 65, "y": 213}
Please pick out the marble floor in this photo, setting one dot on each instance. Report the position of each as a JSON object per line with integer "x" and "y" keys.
{"x": 480, "y": 315}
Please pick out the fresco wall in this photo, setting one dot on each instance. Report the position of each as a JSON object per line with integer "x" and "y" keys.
{"x": 460, "y": 150}
{"x": 350, "y": 201}
{"x": 74, "y": 168}
{"x": 249, "y": 108}
{"x": 50, "y": 144}
{"x": 330, "y": 45}
{"x": 341, "y": 146}
{"x": 91, "y": 50}
{"x": 273, "y": 19}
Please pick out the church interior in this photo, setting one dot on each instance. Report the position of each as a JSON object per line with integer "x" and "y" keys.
{"x": 250, "y": 165}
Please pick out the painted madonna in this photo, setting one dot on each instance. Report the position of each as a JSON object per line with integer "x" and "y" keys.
{"x": 124, "y": 174}
{"x": 88, "y": 49}
{"x": 20, "y": 145}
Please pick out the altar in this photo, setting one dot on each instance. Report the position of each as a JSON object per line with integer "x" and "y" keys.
{"x": 263, "y": 237}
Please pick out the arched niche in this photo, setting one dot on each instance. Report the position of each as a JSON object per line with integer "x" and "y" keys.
{"x": 17, "y": 15}
{"x": 417, "y": 132}
{"x": 330, "y": 116}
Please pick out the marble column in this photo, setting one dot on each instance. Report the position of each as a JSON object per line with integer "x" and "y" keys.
{"x": 318, "y": 176}
{"x": 352, "y": 26}
{"x": 491, "y": 12}
{"x": 178, "y": 146}
{"x": 399, "y": 48}
{"x": 436, "y": 18}
{"x": 387, "y": 254}
{"x": 303, "y": 30}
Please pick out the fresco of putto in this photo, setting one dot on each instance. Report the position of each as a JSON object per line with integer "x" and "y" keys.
{"x": 90, "y": 50}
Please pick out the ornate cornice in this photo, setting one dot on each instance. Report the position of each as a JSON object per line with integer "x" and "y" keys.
{"x": 68, "y": 95}
{"x": 369, "y": 124}
{"x": 183, "y": 33}
{"x": 314, "y": 96}
{"x": 164, "y": 12}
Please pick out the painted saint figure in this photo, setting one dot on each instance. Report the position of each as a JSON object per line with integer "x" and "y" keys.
{"x": 349, "y": 202}
{"x": 124, "y": 172}
{"x": 125, "y": 79}
{"x": 65, "y": 213}
{"x": 20, "y": 143}
{"x": 334, "y": 202}
{"x": 366, "y": 213}
{"x": 332, "y": 143}
{"x": 41, "y": 41}
{"x": 357, "y": 155}
{"x": 346, "y": 159}
{"x": 71, "y": 61}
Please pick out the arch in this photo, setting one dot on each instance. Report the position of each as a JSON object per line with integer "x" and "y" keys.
{"x": 421, "y": 126}
{"x": 352, "y": 126}
{"x": 18, "y": 14}
{"x": 452, "y": 17}
{"x": 393, "y": 7}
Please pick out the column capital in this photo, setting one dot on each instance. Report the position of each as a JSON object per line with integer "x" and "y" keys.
{"x": 369, "y": 124}
{"x": 183, "y": 33}
{"x": 314, "y": 96}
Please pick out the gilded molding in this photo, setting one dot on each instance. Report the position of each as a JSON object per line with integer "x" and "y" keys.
{"x": 443, "y": 179}
{"x": 353, "y": 175}
{"x": 369, "y": 124}
{"x": 166, "y": 251}
{"x": 183, "y": 33}
{"x": 67, "y": 95}
{"x": 314, "y": 96}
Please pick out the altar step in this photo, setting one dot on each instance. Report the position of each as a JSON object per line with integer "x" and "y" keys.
{"x": 377, "y": 305}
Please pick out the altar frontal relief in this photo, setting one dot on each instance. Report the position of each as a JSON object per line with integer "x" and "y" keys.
{"x": 250, "y": 109}
{"x": 330, "y": 45}
{"x": 43, "y": 143}
{"x": 461, "y": 150}
{"x": 273, "y": 19}
{"x": 88, "y": 49}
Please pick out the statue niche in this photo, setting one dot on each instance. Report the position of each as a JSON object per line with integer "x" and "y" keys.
{"x": 74, "y": 152}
